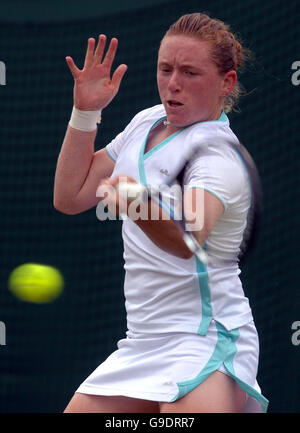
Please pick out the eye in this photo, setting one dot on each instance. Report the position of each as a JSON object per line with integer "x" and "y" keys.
{"x": 190, "y": 73}
{"x": 164, "y": 68}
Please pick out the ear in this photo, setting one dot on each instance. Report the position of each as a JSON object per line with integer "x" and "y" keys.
{"x": 229, "y": 82}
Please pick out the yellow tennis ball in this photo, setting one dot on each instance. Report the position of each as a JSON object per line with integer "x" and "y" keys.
{"x": 37, "y": 283}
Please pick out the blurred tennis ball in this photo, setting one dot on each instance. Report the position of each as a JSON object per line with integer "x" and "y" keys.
{"x": 37, "y": 283}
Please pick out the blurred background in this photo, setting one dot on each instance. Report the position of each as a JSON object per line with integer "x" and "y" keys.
{"x": 50, "y": 349}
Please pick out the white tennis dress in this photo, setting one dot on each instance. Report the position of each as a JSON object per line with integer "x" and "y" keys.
{"x": 185, "y": 319}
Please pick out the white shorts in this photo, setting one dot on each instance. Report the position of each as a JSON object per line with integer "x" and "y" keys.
{"x": 165, "y": 367}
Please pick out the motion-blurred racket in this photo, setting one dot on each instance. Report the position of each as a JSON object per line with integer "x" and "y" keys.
{"x": 144, "y": 193}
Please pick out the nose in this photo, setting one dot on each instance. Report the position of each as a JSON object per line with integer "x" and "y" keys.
{"x": 174, "y": 82}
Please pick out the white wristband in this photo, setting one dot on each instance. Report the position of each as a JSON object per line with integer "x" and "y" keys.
{"x": 85, "y": 120}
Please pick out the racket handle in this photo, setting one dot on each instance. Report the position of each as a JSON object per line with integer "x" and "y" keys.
{"x": 194, "y": 247}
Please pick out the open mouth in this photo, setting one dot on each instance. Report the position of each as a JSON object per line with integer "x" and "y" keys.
{"x": 172, "y": 103}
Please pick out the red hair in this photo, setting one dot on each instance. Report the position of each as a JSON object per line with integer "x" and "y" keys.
{"x": 227, "y": 51}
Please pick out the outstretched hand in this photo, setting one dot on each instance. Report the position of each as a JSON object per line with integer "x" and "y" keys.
{"x": 94, "y": 88}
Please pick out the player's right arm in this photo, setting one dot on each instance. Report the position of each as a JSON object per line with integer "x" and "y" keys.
{"x": 79, "y": 168}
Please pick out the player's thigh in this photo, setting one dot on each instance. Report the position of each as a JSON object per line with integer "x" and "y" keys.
{"x": 86, "y": 403}
{"x": 218, "y": 393}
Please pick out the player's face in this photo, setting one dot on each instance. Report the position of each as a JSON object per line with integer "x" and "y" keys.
{"x": 189, "y": 83}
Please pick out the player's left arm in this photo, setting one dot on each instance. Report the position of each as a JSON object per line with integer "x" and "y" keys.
{"x": 202, "y": 211}
{"x": 165, "y": 233}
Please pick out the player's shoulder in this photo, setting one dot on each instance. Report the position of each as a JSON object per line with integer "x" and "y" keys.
{"x": 212, "y": 130}
{"x": 149, "y": 114}
{"x": 217, "y": 141}
{"x": 213, "y": 136}
{"x": 141, "y": 122}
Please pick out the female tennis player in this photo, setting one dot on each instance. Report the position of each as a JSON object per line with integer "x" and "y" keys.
{"x": 191, "y": 343}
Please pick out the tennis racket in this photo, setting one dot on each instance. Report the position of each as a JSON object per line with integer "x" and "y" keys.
{"x": 144, "y": 193}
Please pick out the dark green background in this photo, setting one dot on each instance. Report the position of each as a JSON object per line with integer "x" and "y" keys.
{"x": 51, "y": 348}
